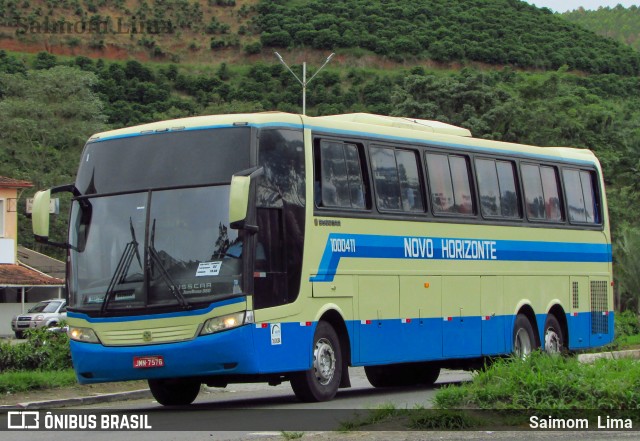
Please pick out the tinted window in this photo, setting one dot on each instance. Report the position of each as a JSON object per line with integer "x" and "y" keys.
{"x": 163, "y": 160}
{"x": 581, "y": 196}
{"x": 541, "y": 193}
{"x": 509, "y": 201}
{"x": 497, "y": 187}
{"x": 449, "y": 183}
{"x": 397, "y": 180}
{"x": 340, "y": 178}
{"x": 409, "y": 177}
{"x": 385, "y": 177}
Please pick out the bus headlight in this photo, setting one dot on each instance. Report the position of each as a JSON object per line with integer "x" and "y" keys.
{"x": 85, "y": 335}
{"x": 225, "y": 322}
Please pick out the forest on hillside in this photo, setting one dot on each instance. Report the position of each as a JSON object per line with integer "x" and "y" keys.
{"x": 619, "y": 23}
{"x": 495, "y": 32}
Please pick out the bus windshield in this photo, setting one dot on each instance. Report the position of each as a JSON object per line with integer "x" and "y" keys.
{"x": 168, "y": 247}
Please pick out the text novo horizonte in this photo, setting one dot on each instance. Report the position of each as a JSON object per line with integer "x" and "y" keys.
{"x": 466, "y": 249}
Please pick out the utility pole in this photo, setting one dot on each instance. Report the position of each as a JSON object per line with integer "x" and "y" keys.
{"x": 304, "y": 81}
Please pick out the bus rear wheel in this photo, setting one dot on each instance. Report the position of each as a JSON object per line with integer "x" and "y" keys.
{"x": 553, "y": 336}
{"x": 321, "y": 382}
{"x": 524, "y": 339}
{"x": 174, "y": 392}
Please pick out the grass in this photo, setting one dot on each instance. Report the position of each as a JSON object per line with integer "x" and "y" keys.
{"x": 24, "y": 381}
{"x": 543, "y": 382}
{"x": 292, "y": 435}
{"x": 508, "y": 392}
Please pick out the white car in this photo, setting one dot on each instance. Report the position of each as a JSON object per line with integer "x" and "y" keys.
{"x": 48, "y": 313}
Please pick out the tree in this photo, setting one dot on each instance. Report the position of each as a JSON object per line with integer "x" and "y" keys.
{"x": 628, "y": 267}
{"x": 45, "y": 118}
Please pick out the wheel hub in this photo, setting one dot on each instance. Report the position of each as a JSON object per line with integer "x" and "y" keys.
{"x": 522, "y": 343}
{"x": 324, "y": 361}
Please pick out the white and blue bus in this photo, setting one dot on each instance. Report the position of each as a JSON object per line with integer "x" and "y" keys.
{"x": 275, "y": 247}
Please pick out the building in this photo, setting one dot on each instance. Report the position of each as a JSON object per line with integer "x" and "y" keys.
{"x": 26, "y": 277}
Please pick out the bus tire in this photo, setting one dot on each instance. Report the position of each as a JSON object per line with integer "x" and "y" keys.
{"x": 524, "y": 339}
{"x": 553, "y": 336}
{"x": 429, "y": 374}
{"x": 321, "y": 382}
{"x": 398, "y": 375}
{"x": 173, "y": 392}
{"x": 380, "y": 376}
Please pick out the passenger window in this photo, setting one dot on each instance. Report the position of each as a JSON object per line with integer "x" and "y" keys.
{"x": 450, "y": 184}
{"x": 541, "y": 192}
{"x": 397, "y": 180}
{"x": 339, "y": 182}
{"x": 497, "y": 188}
{"x": 581, "y": 196}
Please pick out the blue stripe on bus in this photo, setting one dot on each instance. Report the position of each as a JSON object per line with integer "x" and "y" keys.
{"x": 340, "y": 246}
{"x": 135, "y": 318}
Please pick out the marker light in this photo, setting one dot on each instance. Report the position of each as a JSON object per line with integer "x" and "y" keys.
{"x": 85, "y": 335}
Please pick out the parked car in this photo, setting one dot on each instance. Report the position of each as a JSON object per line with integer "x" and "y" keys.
{"x": 48, "y": 313}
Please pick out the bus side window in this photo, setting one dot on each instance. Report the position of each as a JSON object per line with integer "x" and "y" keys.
{"x": 542, "y": 194}
{"x": 449, "y": 181}
{"x": 581, "y": 196}
{"x": 339, "y": 182}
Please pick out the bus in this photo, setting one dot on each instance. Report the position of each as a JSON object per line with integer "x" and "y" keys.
{"x": 276, "y": 247}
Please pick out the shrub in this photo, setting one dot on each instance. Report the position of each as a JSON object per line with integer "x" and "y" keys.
{"x": 43, "y": 349}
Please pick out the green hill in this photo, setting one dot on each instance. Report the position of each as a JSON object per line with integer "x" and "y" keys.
{"x": 619, "y": 23}
{"x": 494, "y": 32}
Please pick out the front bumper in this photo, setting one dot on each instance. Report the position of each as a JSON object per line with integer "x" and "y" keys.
{"x": 228, "y": 352}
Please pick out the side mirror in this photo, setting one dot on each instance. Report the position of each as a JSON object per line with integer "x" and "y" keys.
{"x": 239, "y": 199}
{"x": 40, "y": 213}
{"x": 242, "y": 192}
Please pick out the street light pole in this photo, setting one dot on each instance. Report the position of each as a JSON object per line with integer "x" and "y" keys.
{"x": 303, "y": 82}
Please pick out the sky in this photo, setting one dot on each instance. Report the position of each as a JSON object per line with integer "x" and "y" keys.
{"x": 570, "y": 5}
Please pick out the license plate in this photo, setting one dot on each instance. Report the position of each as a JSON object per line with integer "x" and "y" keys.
{"x": 151, "y": 361}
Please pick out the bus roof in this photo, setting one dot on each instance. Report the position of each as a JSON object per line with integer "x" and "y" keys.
{"x": 359, "y": 124}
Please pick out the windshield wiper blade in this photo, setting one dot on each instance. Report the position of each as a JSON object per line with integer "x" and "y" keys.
{"x": 164, "y": 274}
{"x": 130, "y": 250}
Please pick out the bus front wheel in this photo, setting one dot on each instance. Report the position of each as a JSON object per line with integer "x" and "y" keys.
{"x": 321, "y": 382}
{"x": 174, "y": 392}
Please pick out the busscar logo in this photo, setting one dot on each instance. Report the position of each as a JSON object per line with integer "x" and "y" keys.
{"x": 23, "y": 420}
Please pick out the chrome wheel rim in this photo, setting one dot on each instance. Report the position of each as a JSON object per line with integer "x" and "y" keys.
{"x": 522, "y": 344}
{"x": 324, "y": 361}
{"x": 552, "y": 342}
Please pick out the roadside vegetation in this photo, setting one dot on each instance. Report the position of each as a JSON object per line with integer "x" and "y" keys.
{"x": 43, "y": 361}
{"x": 548, "y": 382}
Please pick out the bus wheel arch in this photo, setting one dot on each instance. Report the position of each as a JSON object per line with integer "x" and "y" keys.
{"x": 555, "y": 331}
{"x": 322, "y": 380}
{"x": 335, "y": 319}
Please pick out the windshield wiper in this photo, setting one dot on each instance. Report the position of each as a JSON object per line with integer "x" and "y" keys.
{"x": 130, "y": 250}
{"x": 164, "y": 274}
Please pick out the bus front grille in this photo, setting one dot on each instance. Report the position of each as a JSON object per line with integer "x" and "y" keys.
{"x": 147, "y": 336}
